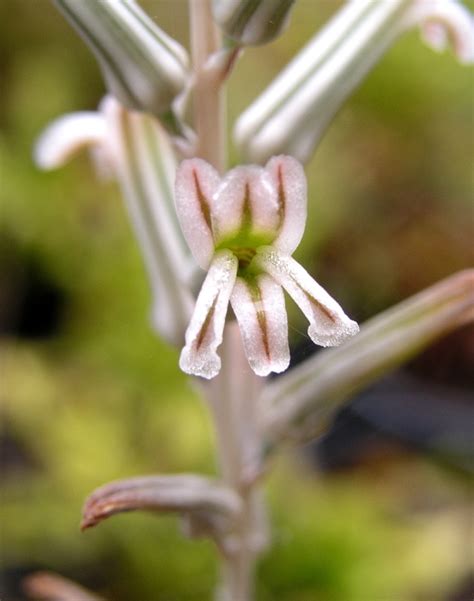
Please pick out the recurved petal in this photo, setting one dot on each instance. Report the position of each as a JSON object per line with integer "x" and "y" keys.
{"x": 246, "y": 201}
{"x": 328, "y": 324}
{"x": 66, "y": 136}
{"x": 290, "y": 182}
{"x": 444, "y": 21}
{"x": 196, "y": 184}
{"x": 204, "y": 333}
{"x": 259, "y": 306}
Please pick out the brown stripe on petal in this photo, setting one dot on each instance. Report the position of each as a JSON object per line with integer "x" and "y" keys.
{"x": 329, "y": 314}
{"x": 281, "y": 197}
{"x": 203, "y": 202}
{"x": 246, "y": 210}
{"x": 256, "y": 294}
{"x": 205, "y": 326}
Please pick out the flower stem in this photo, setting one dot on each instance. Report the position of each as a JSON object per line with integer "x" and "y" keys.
{"x": 208, "y": 95}
{"x": 232, "y": 394}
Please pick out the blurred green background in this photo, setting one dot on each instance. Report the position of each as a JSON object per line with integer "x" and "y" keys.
{"x": 88, "y": 393}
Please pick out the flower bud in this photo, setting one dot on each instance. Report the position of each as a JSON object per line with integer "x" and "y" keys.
{"x": 252, "y": 22}
{"x": 143, "y": 67}
{"x": 133, "y": 148}
{"x": 293, "y": 112}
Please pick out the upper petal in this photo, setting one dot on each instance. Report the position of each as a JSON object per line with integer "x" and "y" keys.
{"x": 259, "y": 306}
{"x": 290, "y": 182}
{"x": 196, "y": 185}
{"x": 66, "y": 136}
{"x": 204, "y": 333}
{"x": 444, "y": 21}
{"x": 328, "y": 324}
{"x": 246, "y": 202}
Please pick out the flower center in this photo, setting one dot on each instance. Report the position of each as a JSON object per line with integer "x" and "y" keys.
{"x": 244, "y": 255}
{"x": 244, "y": 246}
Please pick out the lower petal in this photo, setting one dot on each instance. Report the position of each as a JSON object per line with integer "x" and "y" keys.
{"x": 328, "y": 324}
{"x": 204, "y": 333}
{"x": 259, "y": 306}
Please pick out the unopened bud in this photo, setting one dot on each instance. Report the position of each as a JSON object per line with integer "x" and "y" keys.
{"x": 293, "y": 113}
{"x": 143, "y": 67}
{"x": 252, "y": 22}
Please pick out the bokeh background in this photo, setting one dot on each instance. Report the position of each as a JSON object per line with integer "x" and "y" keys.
{"x": 380, "y": 508}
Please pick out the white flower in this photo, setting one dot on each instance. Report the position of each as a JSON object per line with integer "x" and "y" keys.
{"x": 143, "y": 67}
{"x": 243, "y": 229}
{"x": 293, "y": 112}
{"x": 133, "y": 148}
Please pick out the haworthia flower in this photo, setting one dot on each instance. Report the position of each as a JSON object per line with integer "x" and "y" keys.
{"x": 252, "y": 22}
{"x": 293, "y": 112}
{"x": 143, "y": 67}
{"x": 137, "y": 152}
{"x": 243, "y": 229}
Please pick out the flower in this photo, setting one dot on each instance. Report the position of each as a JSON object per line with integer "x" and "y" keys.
{"x": 292, "y": 113}
{"x": 133, "y": 148}
{"x": 242, "y": 229}
{"x": 143, "y": 67}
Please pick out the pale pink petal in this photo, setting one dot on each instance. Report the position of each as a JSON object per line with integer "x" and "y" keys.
{"x": 435, "y": 35}
{"x": 259, "y": 306}
{"x": 204, "y": 333}
{"x": 328, "y": 324}
{"x": 444, "y": 21}
{"x": 66, "y": 136}
{"x": 290, "y": 181}
{"x": 246, "y": 201}
{"x": 196, "y": 184}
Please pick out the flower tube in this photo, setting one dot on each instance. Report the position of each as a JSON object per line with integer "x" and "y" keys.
{"x": 293, "y": 112}
{"x": 143, "y": 67}
{"x": 252, "y": 22}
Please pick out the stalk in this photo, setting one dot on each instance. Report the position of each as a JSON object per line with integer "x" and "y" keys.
{"x": 232, "y": 398}
{"x": 232, "y": 395}
{"x": 208, "y": 95}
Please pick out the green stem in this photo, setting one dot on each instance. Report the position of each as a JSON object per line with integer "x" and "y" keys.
{"x": 208, "y": 94}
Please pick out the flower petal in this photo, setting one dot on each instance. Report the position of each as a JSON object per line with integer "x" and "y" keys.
{"x": 246, "y": 201}
{"x": 290, "y": 181}
{"x": 442, "y": 21}
{"x": 259, "y": 306}
{"x": 66, "y": 136}
{"x": 204, "y": 333}
{"x": 143, "y": 67}
{"x": 328, "y": 324}
{"x": 196, "y": 184}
